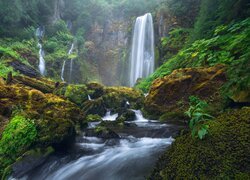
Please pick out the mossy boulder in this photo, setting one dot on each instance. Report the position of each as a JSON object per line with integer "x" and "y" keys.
{"x": 102, "y": 132}
{"x": 95, "y": 106}
{"x": 171, "y": 93}
{"x": 114, "y": 97}
{"x": 223, "y": 154}
{"x": 76, "y": 94}
{"x": 127, "y": 115}
{"x": 96, "y": 90}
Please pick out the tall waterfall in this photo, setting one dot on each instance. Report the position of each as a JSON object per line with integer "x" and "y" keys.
{"x": 64, "y": 62}
{"x": 41, "y": 59}
{"x": 142, "y": 54}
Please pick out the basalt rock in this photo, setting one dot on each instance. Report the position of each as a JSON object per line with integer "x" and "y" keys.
{"x": 24, "y": 69}
{"x": 171, "y": 93}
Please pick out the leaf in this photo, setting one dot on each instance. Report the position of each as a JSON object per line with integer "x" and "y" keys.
{"x": 202, "y": 132}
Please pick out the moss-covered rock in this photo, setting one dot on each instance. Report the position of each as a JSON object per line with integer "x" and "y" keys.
{"x": 76, "y": 94}
{"x": 171, "y": 93}
{"x": 96, "y": 90}
{"x": 223, "y": 154}
{"x": 95, "y": 106}
{"x": 102, "y": 132}
{"x": 116, "y": 96}
{"x": 54, "y": 118}
{"x": 127, "y": 115}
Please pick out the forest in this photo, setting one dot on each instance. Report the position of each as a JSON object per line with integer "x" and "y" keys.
{"x": 129, "y": 89}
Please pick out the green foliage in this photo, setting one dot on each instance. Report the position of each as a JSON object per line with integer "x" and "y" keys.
{"x": 198, "y": 114}
{"x": 17, "y": 137}
{"x": 214, "y": 13}
{"x": 4, "y": 70}
{"x": 229, "y": 45}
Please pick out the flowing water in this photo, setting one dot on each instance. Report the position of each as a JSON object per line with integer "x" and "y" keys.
{"x": 64, "y": 63}
{"x": 130, "y": 157}
{"x": 142, "y": 54}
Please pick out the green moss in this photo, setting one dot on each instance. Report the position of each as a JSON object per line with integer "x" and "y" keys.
{"x": 17, "y": 137}
{"x": 76, "y": 93}
{"x": 4, "y": 70}
{"x": 223, "y": 154}
{"x": 93, "y": 118}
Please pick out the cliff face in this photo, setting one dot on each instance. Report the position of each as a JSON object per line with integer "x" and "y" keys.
{"x": 106, "y": 45}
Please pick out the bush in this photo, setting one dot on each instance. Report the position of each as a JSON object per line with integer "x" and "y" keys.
{"x": 198, "y": 114}
{"x": 17, "y": 137}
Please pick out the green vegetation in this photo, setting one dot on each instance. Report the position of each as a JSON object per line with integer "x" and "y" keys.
{"x": 4, "y": 70}
{"x": 198, "y": 114}
{"x": 229, "y": 45}
{"x": 17, "y": 137}
{"x": 223, "y": 154}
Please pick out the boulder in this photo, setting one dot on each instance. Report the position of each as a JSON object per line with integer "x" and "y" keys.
{"x": 127, "y": 115}
{"x": 102, "y": 132}
{"x": 96, "y": 90}
{"x": 171, "y": 93}
{"x": 95, "y": 106}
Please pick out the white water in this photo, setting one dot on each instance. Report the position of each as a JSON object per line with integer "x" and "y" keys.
{"x": 39, "y": 32}
{"x": 109, "y": 117}
{"x": 41, "y": 59}
{"x": 89, "y": 98}
{"x": 142, "y": 54}
{"x": 64, "y": 62}
{"x": 129, "y": 158}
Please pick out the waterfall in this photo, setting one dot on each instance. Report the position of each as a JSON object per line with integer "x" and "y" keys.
{"x": 142, "y": 54}
{"x": 41, "y": 59}
{"x": 64, "y": 62}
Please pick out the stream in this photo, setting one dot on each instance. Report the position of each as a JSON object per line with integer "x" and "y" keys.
{"x": 131, "y": 157}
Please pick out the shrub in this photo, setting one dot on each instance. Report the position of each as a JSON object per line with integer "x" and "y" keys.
{"x": 17, "y": 137}
{"x": 198, "y": 114}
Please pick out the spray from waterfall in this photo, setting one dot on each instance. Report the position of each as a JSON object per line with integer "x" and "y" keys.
{"x": 142, "y": 54}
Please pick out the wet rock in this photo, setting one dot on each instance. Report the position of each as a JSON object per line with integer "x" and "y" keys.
{"x": 30, "y": 160}
{"x": 93, "y": 118}
{"x": 127, "y": 115}
{"x": 102, "y": 132}
{"x": 24, "y": 69}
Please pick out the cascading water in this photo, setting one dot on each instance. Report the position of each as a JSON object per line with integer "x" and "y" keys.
{"x": 142, "y": 54}
{"x": 41, "y": 59}
{"x": 64, "y": 62}
{"x": 39, "y": 34}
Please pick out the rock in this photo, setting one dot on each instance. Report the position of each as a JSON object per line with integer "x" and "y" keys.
{"x": 102, "y": 132}
{"x": 54, "y": 117}
{"x": 95, "y": 106}
{"x": 127, "y": 115}
{"x": 96, "y": 90}
{"x": 114, "y": 97}
{"x": 24, "y": 69}
{"x": 77, "y": 94}
{"x": 171, "y": 93}
{"x": 30, "y": 160}
{"x": 223, "y": 153}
